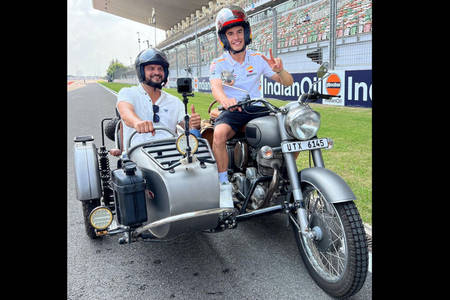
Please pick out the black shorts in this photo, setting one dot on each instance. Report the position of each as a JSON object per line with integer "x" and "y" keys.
{"x": 238, "y": 119}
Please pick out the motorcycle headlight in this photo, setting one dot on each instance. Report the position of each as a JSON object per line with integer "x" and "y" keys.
{"x": 302, "y": 122}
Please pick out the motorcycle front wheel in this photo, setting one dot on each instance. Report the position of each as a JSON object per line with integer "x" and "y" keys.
{"x": 338, "y": 262}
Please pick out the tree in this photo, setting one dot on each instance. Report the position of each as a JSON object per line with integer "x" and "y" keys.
{"x": 114, "y": 66}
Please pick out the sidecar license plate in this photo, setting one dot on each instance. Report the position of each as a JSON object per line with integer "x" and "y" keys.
{"x": 304, "y": 145}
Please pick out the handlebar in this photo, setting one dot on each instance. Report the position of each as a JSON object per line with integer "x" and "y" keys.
{"x": 248, "y": 102}
{"x": 156, "y": 128}
{"x": 314, "y": 96}
{"x": 239, "y": 104}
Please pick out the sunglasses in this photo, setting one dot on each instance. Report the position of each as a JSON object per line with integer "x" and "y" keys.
{"x": 155, "y": 111}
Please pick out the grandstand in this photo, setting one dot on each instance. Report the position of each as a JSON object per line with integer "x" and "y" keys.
{"x": 354, "y": 18}
{"x": 191, "y": 44}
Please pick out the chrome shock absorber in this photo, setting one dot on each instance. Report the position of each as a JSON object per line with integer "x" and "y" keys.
{"x": 105, "y": 177}
{"x": 105, "y": 171}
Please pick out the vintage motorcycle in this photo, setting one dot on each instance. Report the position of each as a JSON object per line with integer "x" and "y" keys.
{"x": 150, "y": 194}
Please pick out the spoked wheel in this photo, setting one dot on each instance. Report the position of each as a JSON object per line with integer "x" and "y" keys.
{"x": 338, "y": 260}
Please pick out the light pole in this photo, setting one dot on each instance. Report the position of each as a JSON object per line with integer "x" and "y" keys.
{"x": 154, "y": 22}
{"x": 139, "y": 41}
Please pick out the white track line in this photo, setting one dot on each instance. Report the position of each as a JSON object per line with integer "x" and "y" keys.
{"x": 108, "y": 89}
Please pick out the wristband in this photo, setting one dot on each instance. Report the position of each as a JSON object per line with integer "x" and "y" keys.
{"x": 195, "y": 132}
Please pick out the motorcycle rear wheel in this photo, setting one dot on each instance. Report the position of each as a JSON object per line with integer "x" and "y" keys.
{"x": 338, "y": 263}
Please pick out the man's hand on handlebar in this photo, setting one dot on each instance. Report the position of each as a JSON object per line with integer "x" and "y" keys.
{"x": 240, "y": 105}
{"x": 144, "y": 127}
{"x": 230, "y": 102}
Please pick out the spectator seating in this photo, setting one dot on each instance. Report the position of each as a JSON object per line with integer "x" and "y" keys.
{"x": 353, "y": 17}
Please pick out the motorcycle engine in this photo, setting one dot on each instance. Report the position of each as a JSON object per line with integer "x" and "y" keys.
{"x": 243, "y": 161}
{"x": 243, "y": 183}
{"x": 265, "y": 166}
{"x": 241, "y": 155}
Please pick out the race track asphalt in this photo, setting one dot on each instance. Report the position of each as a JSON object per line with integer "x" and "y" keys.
{"x": 257, "y": 260}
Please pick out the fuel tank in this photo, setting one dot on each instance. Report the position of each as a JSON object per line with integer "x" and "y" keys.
{"x": 263, "y": 131}
{"x": 129, "y": 192}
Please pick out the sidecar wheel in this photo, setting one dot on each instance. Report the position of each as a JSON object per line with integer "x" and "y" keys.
{"x": 338, "y": 263}
{"x": 88, "y": 206}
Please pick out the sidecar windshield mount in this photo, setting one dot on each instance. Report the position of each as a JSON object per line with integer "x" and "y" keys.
{"x": 164, "y": 153}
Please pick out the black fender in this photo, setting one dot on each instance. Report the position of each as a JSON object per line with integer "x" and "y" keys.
{"x": 331, "y": 185}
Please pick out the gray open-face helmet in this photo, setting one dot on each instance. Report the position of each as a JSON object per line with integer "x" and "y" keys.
{"x": 151, "y": 56}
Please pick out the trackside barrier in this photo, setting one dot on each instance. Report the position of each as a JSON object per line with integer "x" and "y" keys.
{"x": 354, "y": 87}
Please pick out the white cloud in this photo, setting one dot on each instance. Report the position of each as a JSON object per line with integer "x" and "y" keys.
{"x": 94, "y": 38}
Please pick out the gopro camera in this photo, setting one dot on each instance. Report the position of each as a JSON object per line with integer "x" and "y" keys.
{"x": 184, "y": 85}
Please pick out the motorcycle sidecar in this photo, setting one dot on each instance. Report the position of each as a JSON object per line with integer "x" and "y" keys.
{"x": 182, "y": 197}
{"x": 155, "y": 191}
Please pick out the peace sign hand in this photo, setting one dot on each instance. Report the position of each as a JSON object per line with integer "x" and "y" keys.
{"x": 274, "y": 63}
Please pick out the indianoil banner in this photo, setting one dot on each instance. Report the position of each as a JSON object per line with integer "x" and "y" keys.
{"x": 354, "y": 87}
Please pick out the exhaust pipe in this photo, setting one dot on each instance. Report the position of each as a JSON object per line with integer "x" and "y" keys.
{"x": 180, "y": 217}
{"x": 273, "y": 185}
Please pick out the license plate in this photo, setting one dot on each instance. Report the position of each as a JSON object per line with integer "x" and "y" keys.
{"x": 304, "y": 145}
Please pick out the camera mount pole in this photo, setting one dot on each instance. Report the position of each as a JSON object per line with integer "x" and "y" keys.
{"x": 186, "y": 124}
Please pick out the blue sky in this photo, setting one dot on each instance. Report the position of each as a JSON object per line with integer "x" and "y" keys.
{"x": 94, "y": 38}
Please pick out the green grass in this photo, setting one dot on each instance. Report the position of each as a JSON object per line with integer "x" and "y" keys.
{"x": 351, "y": 156}
{"x": 115, "y": 86}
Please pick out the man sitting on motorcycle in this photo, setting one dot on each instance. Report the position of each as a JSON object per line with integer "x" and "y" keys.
{"x": 146, "y": 105}
{"x": 247, "y": 66}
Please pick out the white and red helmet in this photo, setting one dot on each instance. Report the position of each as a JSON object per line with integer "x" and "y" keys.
{"x": 229, "y": 17}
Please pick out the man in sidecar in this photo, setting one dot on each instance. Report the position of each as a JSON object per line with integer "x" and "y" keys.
{"x": 145, "y": 105}
{"x": 247, "y": 66}
{"x": 151, "y": 194}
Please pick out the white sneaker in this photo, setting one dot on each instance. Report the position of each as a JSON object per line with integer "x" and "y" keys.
{"x": 226, "y": 199}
